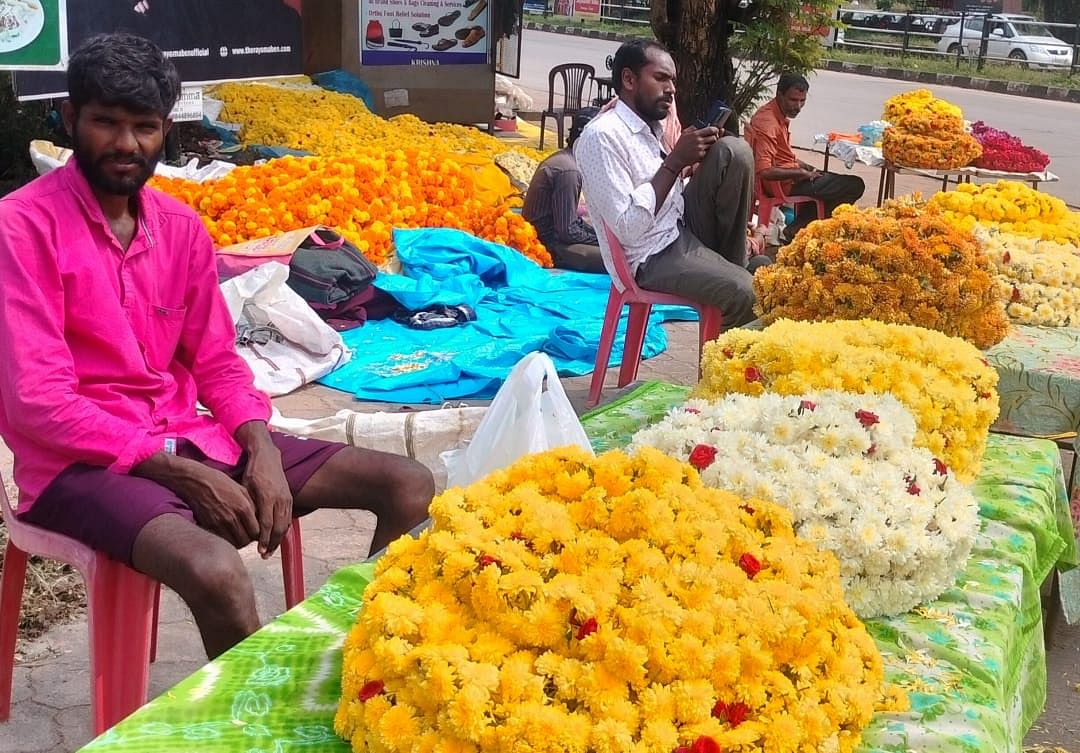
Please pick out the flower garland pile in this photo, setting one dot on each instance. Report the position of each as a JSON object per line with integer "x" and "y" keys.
{"x": 944, "y": 381}
{"x": 330, "y": 124}
{"x": 610, "y": 604}
{"x": 918, "y": 102}
{"x": 1003, "y": 151}
{"x": 362, "y": 196}
{"x": 903, "y": 264}
{"x": 1040, "y": 280}
{"x": 900, "y": 523}
{"x": 929, "y": 142}
{"x": 926, "y": 132}
{"x": 1012, "y": 207}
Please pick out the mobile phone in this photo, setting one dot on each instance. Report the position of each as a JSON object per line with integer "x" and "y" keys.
{"x": 717, "y": 117}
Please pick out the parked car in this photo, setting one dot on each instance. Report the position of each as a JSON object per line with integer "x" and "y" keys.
{"x": 1014, "y": 37}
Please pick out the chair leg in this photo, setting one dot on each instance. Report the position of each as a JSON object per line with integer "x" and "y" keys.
{"x": 543, "y": 118}
{"x": 709, "y": 325}
{"x": 820, "y": 209}
{"x": 559, "y": 125}
{"x": 292, "y": 565}
{"x": 11, "y": 592}
{"x": 154, "y": 624}
{"x": 607, "y": 341}
{"x": 121, "y": 606}
{"x": 636, "y": 324}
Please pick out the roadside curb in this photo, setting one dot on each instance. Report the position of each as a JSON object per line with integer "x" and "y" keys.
{"x": 1020, "y": 89}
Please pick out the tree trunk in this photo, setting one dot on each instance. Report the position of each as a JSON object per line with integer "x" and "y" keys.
{"x": 696, "y": 32}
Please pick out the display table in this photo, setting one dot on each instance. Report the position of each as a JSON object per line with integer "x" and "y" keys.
{"x": 849, "y": 153}
{"x": 1039, "y": 391}
{"x": 973, "y": 661}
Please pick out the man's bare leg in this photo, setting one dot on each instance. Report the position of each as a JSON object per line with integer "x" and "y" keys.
{"x": 208, "y": 574}
{"x": 398, "y": 490}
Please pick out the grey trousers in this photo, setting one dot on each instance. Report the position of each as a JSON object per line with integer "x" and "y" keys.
{"x": 707, "y": 262}
{"x": 581, "y": 257}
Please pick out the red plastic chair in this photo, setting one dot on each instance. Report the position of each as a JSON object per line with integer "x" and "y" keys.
{"x": 122, "y": 607}
{"x": 710, "y": 319}
{"x": 767, "y": 200}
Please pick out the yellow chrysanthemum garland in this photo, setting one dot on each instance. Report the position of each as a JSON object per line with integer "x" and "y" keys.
{"x": 918, "y": 102}
{"x": 1011, "y": 207}
{"x": 944, "y": 381}
{"x": 609, "y": 604}
{"x": 903, "y": 263}
{"x": 330, "y": 124}
{"x": 927, "y": 133}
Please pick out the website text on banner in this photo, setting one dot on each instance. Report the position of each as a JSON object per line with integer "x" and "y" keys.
{"x": 424, "y": 32}
{"x": 208, "y": 40}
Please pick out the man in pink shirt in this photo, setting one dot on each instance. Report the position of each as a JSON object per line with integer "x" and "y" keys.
{"x": 112, "y": 328}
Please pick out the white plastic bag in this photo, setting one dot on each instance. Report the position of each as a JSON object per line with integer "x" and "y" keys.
{"x": 530, "y": 413}
{"x": 422, "y": 435}
{"x": 307, "y": 348}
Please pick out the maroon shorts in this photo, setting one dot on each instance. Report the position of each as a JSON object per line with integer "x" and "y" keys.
{"x": 107, "y": 510}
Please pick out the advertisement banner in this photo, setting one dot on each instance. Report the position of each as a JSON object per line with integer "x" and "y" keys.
{"x": 32, "y": 34}
{"x": 424, "y": 32}
{"x": 587, "y": 8}
{"x": 208, "y": 40}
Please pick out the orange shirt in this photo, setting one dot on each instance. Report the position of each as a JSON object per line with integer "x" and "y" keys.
{"x": 770, "y": 138}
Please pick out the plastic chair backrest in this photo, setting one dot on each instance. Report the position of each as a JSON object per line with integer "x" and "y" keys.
{"x": 574, "y": 77}
{"x": 621, "y": 269}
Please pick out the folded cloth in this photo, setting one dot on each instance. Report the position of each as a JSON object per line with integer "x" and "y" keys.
{"x": 371, "y": 304}
{"x": 329, "y": 270}
{"x": 436, "y": 317}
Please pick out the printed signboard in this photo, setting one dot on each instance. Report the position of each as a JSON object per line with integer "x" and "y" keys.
{"x": 32, "y": 34}
{"x": 208, "y": 40}
{"x": 424, "y": 32}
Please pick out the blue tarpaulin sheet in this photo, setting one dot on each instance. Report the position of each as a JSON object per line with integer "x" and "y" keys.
{"x": 520, "y": 307}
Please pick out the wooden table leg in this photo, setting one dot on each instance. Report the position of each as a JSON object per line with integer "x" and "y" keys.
{"x": 881, "y": 186}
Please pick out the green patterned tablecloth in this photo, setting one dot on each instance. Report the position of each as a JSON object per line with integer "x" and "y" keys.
{"x": 973, "y": 660}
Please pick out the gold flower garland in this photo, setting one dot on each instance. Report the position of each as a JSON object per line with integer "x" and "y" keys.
{"x": 903, "y": 264}
{"x": 610, "y": 604}
{"x": 1012, "y": 207}
{"x": 944, "y": 381}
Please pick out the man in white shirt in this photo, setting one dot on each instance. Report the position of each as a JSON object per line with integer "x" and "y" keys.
{"x": 689, "y": 242}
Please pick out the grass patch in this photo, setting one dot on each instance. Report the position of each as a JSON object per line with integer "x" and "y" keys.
{"x": 965, "y": 67}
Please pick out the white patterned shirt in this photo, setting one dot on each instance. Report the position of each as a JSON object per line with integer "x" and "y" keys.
{"x": 618, "y": 154}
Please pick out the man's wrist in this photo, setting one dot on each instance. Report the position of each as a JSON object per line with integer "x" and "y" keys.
{"x": 665, "y": 166}
{"x": 253, "y": 436}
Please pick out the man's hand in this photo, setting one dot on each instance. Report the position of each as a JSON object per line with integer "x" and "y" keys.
{"x": 693, "y": 145}
{"x": 811, "y": 175}
{"x": 264, "y": 479}
{"x": 221, "y": 505}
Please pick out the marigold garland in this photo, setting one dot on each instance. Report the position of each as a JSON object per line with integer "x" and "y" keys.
{"x": 903, "y": 263}
{"x": 331, "y": 124}
{"x": 918, "y": 102}
{"x": 1010, "y": 206}
{"x": 896, "y": 518}
{"x": 364, "y": 197}
{"x": 610, "y": 604}
{"x": 944, "y": 381}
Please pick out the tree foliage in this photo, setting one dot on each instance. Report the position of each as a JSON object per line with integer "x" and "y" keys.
{"x": 20, "y": 123}
{"x": 732, "y": 53}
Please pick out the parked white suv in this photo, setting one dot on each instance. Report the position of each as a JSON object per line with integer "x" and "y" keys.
{"x": 1015, "y": 37}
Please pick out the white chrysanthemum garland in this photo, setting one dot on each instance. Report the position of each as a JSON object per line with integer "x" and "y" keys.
{"x": 845, "y": 465}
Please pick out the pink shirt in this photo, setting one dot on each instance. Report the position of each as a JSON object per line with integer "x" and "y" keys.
{"x": 103, "y": 353}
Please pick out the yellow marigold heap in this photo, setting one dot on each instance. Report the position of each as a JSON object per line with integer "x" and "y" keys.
{"x": 930, "y": 141}
{"x": 1039, "y": 279}
{"x": 918, "y": 102}
{"x": 944, "y": 381}
{"x": 903, "y": 264}
{"x": 610, "y": 604}
{"x": 330, "y": 124}
{"x": 1011, "y": 207}
{"x": 363, "y": 196}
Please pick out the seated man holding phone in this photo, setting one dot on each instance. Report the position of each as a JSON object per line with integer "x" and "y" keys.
{"x": 689, "y": 241}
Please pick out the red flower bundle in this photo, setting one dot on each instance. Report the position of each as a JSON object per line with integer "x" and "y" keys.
{"x": 1003, "y": 151}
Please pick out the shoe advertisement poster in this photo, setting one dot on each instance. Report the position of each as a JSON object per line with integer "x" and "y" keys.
{"x": 208, "y": 40}
{"x": 424, "y": 32}
{"x": 32, "y": 34}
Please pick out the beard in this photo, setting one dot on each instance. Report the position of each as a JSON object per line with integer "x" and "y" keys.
{"x": 654, "y": 110}
{"x": 94, "y": 168}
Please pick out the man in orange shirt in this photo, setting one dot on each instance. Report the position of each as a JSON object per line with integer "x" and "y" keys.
{"x": 774, "y": 162}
